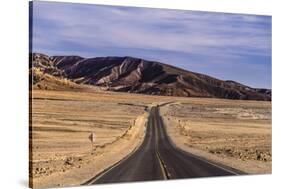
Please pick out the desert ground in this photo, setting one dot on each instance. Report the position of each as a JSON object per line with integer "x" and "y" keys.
{"x": 61, "y": 125}
{"x": 233, "y": 133}
{"x": 230, "y": 132}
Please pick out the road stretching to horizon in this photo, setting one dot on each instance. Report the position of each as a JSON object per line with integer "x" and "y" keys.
{"x": 158, "y": 159}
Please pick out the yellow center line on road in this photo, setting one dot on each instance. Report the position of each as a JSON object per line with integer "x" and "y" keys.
{"x": 160, "y": 161}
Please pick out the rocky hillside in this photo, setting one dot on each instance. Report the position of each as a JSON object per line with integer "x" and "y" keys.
{"x": 129, "y": 74}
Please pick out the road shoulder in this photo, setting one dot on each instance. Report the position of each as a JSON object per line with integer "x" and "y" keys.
{"x": 100, "y": 160}
{"x": 248, "y": 167}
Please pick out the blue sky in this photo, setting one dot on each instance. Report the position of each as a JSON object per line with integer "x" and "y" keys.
{"x": 226, "y": 46}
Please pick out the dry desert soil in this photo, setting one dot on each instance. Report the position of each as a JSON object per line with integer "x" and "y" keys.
{"x": 230, "y": 132}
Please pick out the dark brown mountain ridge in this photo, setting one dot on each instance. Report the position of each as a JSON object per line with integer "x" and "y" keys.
{"x": 135, "y": 75}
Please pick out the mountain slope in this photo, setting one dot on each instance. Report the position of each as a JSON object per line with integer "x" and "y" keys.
{"x": 45, "y": 76}
{"x": 128, "y": 74}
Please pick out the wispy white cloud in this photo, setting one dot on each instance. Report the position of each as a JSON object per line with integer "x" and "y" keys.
{"x": 82, "y": 29}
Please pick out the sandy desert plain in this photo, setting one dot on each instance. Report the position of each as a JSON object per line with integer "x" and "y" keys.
{"x": 235, "y": 133}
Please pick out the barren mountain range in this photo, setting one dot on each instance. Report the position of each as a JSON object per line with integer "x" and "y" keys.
{"x": 134, "y": 75}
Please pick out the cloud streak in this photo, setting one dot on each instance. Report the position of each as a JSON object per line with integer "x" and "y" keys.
{"x": 217, "y": 44}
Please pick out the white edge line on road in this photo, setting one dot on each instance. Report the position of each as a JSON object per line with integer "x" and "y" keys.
{"x": 102, "y": 173}
{"x": 162, "y": 168}
{"x": 197, "y": 157}
{"x": 206, "y": 161}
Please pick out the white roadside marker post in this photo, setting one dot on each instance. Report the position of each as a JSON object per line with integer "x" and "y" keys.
{"x": 92, "y": 138}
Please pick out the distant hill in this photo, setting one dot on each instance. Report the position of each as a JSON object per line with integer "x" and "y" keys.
{"x": 135, "y": 75}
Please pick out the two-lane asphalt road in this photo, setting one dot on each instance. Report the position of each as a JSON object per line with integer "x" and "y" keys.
{"x": 158, "y": 159}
